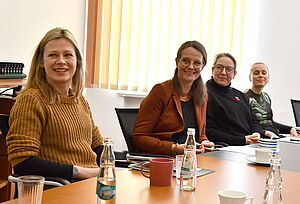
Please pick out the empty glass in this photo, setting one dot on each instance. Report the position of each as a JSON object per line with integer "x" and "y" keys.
{"x": 30, "y": 189}
{"x": 179, "y": 159}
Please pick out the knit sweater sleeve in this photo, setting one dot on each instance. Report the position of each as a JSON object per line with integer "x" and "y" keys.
{"x": 27, "y": 119}
{"x": 46, "y": 168}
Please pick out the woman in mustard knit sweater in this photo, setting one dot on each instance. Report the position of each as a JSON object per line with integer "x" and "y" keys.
{"x": 52, "y": 132}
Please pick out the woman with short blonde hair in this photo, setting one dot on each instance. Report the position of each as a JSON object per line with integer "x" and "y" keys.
{"x": 260, "y": 102}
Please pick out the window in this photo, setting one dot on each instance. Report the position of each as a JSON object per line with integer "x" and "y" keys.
{"x": 136, "y": 41}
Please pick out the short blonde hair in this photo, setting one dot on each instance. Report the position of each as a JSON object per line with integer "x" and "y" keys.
{"x": 256, "y": 63}
{"x": 37, "y": 76}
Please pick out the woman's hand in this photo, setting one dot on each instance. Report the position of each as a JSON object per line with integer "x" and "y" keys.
{"x": 84, "y": 173}
{"x": 180, "y": 148}
{"x": 294, "y": 132}
{"x": 208, "y": 146}
{"x": 252, "y": 139}
{"x": 271, "y": 134}
{"x": 199, "y": 148}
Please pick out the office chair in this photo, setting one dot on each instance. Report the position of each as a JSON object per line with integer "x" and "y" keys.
{"x": 4, "y": 124}
{"x": 49, "y": 181}
{"x": 296, "y": 111}
{"x": 127, "y": 118}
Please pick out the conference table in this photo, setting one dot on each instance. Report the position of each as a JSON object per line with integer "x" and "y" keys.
{"x": 133, "y": 188}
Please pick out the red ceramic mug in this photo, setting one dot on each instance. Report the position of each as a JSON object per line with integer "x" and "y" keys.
{"x": 161, "y": 171}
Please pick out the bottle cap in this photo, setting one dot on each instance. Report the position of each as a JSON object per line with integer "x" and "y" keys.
{"x": 192, "y": 130}
{"x": 107, "y": 140}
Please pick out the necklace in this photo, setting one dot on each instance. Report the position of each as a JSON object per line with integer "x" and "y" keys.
{"x": 185, "y": 98}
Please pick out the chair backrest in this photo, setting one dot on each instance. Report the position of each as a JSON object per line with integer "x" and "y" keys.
{"x": 4, "y": 124}
{"x": 296, "y": 111}
{"x": 127, "y": 118}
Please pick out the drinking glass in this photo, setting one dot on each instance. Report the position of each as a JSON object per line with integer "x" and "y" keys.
{"x": 30, "y": 189}
{"x": 179, "y": 159}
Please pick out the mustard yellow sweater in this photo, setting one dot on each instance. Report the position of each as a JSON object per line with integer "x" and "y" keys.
{"x": 63, "y": 132}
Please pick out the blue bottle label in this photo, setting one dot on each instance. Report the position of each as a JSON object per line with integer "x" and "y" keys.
{"x": 105, "y": 192}
{"x": 184, "y": 169}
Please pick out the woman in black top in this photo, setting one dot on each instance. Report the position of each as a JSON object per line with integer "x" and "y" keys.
{"x": 229, "y": 118}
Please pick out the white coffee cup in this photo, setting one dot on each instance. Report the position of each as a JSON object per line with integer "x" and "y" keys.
{"x": 233, "y": 197}
{"x": 263, "y": 154}
{"x": 272, "y": 144}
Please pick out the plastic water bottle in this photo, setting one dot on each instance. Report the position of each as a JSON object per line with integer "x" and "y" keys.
{"x": 273, "y": 183}
{"x": 106, "y": 180}
{"x": 189, "y": 163}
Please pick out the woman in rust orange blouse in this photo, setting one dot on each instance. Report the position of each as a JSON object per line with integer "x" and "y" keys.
{"x": 175, "y": 105}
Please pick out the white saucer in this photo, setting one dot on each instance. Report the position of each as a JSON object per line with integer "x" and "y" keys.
{"x": 253, "y": 159}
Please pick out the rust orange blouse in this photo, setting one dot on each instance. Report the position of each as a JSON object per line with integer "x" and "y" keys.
{"x": 159, "y": 117}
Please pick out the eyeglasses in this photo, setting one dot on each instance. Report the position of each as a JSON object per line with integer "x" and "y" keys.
{"x": 228, "y": 70}
{"x": 196, "y": 64}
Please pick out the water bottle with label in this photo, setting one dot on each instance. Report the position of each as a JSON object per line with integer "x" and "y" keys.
{"x": 106, "y": 180}
{"x": 273, "y": 183}
{"x": 189, "y": 163}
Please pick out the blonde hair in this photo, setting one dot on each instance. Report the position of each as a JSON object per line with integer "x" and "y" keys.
{"x": 256, "y": 63}
{"x": 37, "y": 76}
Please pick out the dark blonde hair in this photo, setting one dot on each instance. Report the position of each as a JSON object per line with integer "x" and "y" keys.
{"x": 198, "y": 90}
{"x": 218, "y": 56}
{"x": 37, "y": 76}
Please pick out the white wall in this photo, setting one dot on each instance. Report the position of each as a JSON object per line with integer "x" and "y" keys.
{"x": 102, "y": 103}
{"x": 278, "y": 46}
{"x": 24, "y": 22}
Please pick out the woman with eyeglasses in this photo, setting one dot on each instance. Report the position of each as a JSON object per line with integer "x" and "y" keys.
{"x": 229, "y": 118}
{"x": 260, "y": 101}
{"x": 175, "y": 105}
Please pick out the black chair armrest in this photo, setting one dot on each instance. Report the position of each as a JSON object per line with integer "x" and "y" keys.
{"x": 121, "y": 155}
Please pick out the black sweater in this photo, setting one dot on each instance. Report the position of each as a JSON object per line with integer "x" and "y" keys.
{"x": 229, "y": 117}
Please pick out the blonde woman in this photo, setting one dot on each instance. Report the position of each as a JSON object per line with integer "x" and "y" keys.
{"x": 52, "y": 132}
{"x": 260, "y": 101}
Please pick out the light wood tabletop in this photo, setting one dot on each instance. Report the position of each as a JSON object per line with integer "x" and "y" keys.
{"x": 133, "y": 188}
{"x": 9, "y": 83}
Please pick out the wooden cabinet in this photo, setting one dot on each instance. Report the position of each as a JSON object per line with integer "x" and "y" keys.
{"x": 5, "y": 170}
{"x": 6, "y": 188}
